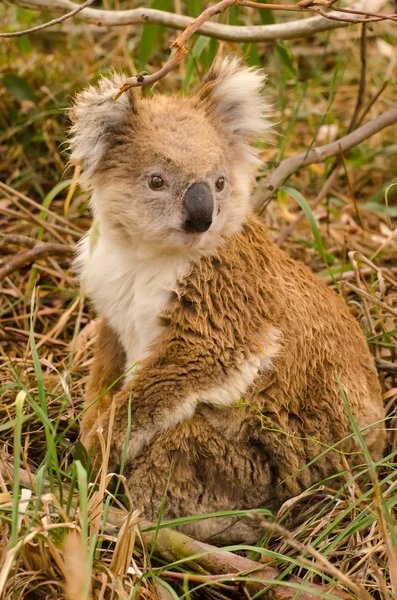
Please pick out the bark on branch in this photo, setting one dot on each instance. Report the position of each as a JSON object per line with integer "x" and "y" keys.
{"x": 246, "y": 33}
{"x": 41, "y": 250}
{"x": 172, "y": 545}
{"x": 141, "y": 16}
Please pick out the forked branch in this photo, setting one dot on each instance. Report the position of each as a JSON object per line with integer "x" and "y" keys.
{"x": 234, "y": 33}
{"x": 330, "y": 18}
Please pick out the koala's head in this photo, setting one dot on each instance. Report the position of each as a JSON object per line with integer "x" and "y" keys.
{"x": 173, "y": 171}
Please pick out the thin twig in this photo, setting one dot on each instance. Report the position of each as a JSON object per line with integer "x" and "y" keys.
{"x": 197, "y": 25}
{"x": 179, "y": 46}
{"x": 352, "y": 11}
{"x": 17, "y": 240}
{"x": 363, "y": 79}
{"x": 42, "y": 250}
{"x": 11, "y": 192}
{"x": 341, "y": 19}
{"x": 372, "y": 101}
{"x": 367, "y": 296}
{"x": 56, "y": 21}
{"x": 351, "y": 190}
{"x": 142, "y": 79}
{"x": 200, "y": 24}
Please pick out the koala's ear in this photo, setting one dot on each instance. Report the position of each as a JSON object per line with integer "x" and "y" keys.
{"x": 231, "y": 93}
{"x": 97, "y": 122}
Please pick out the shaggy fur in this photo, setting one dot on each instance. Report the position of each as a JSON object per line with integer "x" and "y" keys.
{"x": 240, "y": 348}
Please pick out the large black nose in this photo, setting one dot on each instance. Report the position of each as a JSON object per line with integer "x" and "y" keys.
{"x": 199, "y": 206}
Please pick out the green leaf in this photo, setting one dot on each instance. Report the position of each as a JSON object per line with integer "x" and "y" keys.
{"x": 252, "y": 54}
{"x": 20, "y": 400}
{"x": 189, "y": 73}
{"x": 213, "y": 49}
{"x": 285, "y": 56}
{"x": 267, "y": 17}
{"x": 195, "y": 8}
{"x": 233, "y": 18}
{"x": 24, "y": 44}
{"x": 199, "y": 46}
{"x": 165, "y": 585}
{"x": 83, "y": 495}
{"x": 18, "y": 88}
{"x": 318, "y": 243}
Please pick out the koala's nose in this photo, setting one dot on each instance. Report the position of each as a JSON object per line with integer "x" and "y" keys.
{"x": 199, "y": 206}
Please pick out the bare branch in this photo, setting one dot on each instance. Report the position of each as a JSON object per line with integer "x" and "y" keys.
{"x": 41, "y": 250}
{"x": 387, "y": 366}
{"x": 56, "y": 21}
{"x": 143, "y": 79}
{"x": 316, "y": 7}
{"x": 17, "y": 240}
{"x": 246, "y": 33}
{"x": 363, "y": 80}
{"x": 290, "y": 165}
{"x": 376, "y": 16}
{"x": 234, "y": 33}
{"x": 173, "y": 545}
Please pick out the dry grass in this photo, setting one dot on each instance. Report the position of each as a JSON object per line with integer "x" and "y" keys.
{"x": 53, "y": 541}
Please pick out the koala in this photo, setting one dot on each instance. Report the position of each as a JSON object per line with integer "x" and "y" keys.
{"x": 228, "y": 356}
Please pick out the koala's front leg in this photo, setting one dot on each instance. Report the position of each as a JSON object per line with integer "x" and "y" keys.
{"x": 163, "y": 393}
{"x": 106, "y": 370}
{"x": 169, "y": 384}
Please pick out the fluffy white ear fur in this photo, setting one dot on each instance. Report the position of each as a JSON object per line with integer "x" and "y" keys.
{"x": 94, "y": 115}
{"x": 233, "y": 95}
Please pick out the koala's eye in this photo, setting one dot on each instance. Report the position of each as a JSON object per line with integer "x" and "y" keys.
{"x": 156, "y": 182}
{"x": 220, "y": 184}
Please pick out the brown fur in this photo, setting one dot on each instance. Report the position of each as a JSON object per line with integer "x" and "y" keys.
{"x": 246, "y": 456}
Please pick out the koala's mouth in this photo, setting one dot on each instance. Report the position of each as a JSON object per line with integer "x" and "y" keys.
{"x": 196, "y": 227}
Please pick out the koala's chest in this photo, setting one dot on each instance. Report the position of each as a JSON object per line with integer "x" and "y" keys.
{"x": 131, "y": 294}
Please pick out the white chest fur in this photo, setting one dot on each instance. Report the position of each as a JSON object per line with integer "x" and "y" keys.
{"x": 130, "y": 288}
